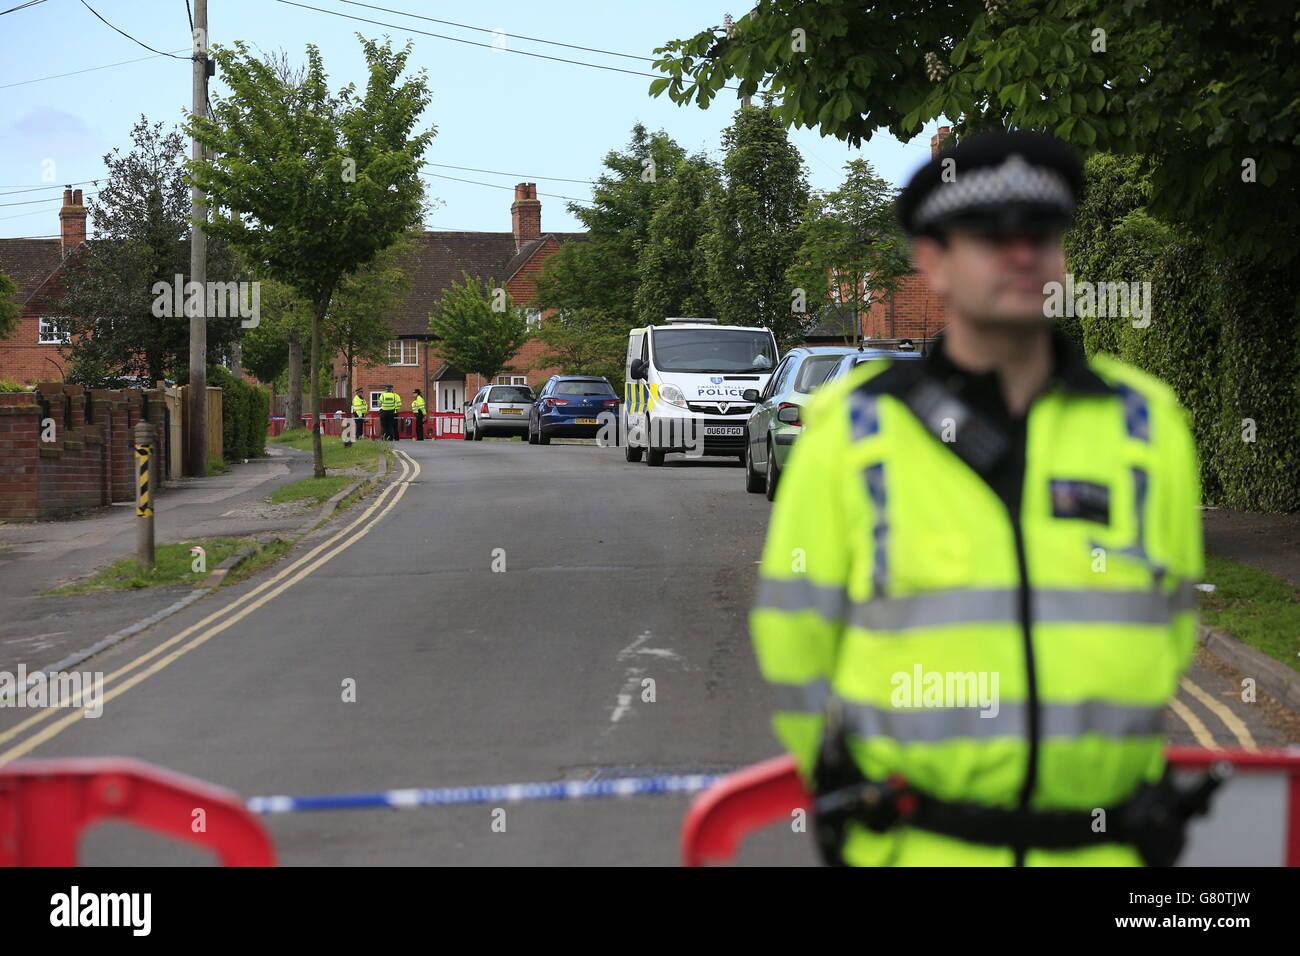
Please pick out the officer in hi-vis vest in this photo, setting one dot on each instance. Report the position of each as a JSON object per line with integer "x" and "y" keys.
{"x": 418, "y": 406}
{"x": 976, "y": 596}
{"x": 389, "y": 403}
{"x": 359, "y": 409}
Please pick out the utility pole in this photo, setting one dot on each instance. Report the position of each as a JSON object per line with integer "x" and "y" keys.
{"x": 198, "y": 437}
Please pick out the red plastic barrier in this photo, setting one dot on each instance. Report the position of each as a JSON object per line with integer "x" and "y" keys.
{"x": 722, "y": 816}
{"x": 46, "y": 804}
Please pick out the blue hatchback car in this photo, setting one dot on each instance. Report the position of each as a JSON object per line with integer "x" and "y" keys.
{"x": 572, "y": 406}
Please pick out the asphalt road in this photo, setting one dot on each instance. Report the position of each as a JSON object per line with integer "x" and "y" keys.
{"x": 614, "y": 574}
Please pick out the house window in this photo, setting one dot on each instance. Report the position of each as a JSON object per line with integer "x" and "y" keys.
{"x": 511, "y": 380}
{"x": 534, "y": 317}
{"x": 51, "y": 333}
{"x": 403, "y": 352}
{"x": 374, "y": 400}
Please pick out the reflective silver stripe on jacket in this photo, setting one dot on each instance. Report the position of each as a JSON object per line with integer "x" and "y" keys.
{"x": 806, "y": 698}
{"x": 801, "y": 594}
{"x": 932, "y": 725}
{"x": 975, "y": 606}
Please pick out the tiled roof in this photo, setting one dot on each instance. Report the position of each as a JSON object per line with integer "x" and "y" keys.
{"x": 439, "y": 258}
{"x": 29, "y": 262}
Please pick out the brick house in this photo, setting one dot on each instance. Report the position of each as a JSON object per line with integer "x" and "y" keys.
{"x": 37, "y": 266}
{"x": 911, "y": 312}
{"x": 512, "y": 258}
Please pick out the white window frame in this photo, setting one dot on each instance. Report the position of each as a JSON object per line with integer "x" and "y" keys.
{"x": 533, "y": 317}
{"x": 48, "y": 332}
{"x": 401, "y": 351}
{"x": 511, "y": 380}
{"x": 374, "y": 399}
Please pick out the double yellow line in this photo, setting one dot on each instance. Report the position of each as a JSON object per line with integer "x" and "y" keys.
{"x": 216, "y": 622}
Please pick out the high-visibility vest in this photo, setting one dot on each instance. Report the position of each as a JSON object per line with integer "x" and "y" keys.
{"x": 417, "y": 404}
{"x": 390, "y": 402}
{"x": 359, "y": 406}
{"x": 890, "y": 584}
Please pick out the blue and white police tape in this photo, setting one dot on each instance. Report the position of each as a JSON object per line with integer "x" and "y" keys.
{"x": 501, "y": 793}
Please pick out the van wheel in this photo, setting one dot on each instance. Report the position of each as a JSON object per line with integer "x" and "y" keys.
{"x": 754, "y": 482}
{"x": 632, "y": 452}
{"x": 654, "y": 457}
{"x": 773, "y": 474}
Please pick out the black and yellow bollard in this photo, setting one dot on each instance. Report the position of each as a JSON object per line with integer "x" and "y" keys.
{"x": 144, "y": 445}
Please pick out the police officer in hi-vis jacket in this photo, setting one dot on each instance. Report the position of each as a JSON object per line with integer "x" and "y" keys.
{"x": 976, "y": 595}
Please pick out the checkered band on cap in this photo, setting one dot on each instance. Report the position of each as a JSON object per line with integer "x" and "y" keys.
{"x": 1015, "y": 181}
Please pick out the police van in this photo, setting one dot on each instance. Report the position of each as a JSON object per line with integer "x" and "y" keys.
{"x": 685, "y": 382}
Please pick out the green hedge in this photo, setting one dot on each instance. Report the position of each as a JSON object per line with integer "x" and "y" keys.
{"x": 245, "y": 410}
{"x": 1223, "y": 334}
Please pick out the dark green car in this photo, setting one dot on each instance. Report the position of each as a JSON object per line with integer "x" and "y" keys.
{"x": 774, "y": 423}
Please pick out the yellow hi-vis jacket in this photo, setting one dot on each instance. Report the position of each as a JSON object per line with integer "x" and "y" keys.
{"x": 390, "y": 402}
{"x": 418, "y": 404}
{"x": 891, "y": 580}
{"x": 359, "y": 407}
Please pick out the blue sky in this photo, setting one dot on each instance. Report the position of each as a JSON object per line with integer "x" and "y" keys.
{"x": 494, "y": 110}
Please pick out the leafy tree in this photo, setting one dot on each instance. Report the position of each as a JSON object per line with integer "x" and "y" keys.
{"x": 10, "y": 307}
{"x": 478, "y": 326}
{"x": 272, "y": 350}
{"x": 357, "y": 325}
{"x": 851, "y": 248}
{"x": 673, "y": 270}
{"x": 309, "y": 184}
{"x": 602, "y": 272}
{"x": 142, "y": 227}
{"x": 1207, "y": 90}
{"x": 583, "y": 343}
{"x": 756, "y": 216}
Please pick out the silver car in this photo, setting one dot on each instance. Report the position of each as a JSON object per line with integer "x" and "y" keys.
{"x": 498, "y": 410}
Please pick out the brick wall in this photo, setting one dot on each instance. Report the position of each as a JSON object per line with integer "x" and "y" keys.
{"x": 91, "y": 460}
{"x": 913, "y": 312}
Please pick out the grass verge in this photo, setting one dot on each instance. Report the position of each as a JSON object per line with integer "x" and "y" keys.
{"x": 320, "y": 489}
{"x": 1255, "y": 607}
{"x": 267, "y": 553}
{"x": 363, "y": 452}
{"x": 173, "y": 565}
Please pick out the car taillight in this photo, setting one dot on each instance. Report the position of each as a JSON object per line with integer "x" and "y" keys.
{"x": 557, "y": 401}
{"x": 614, "y": 402}
{"x": 790, "y": 405}
{"x": 483, "y": 410}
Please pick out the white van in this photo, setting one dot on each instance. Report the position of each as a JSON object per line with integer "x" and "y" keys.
{"x": 684, "y": 386}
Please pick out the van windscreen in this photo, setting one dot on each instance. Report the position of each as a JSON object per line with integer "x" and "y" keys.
{"x": 713, "y": 350}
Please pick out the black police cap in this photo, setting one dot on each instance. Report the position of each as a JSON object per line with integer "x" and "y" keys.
{"x": 1002, "y": 182}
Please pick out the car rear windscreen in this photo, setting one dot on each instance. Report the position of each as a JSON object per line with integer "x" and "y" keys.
{"x": 814, "y": 371}
{"x": 583, "y": 388}
{"x": 511, "y": 393}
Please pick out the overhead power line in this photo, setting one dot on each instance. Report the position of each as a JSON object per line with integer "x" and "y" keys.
{"x": 486, "y": 46}
{"x": 90, "y": 69}
{"x": 513, "y": 36}
{"x": 128, "y": 36}
{"x": 32, "y": 189}
{"x": 21, "y": 6}
{"x": 493, "y": 172}
{"x": 475, "y": 182}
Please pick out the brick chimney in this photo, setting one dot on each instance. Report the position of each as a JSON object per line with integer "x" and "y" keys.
{"x": 72, "y": 221}
{"x": 936, "y": 141}
{"x": 526, "y": 214}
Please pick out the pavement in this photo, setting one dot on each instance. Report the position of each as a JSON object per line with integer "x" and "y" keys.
{"x": 1269, "y": 542}
{"x": 506, "y": 613}
{"x": 38, "y": 630}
